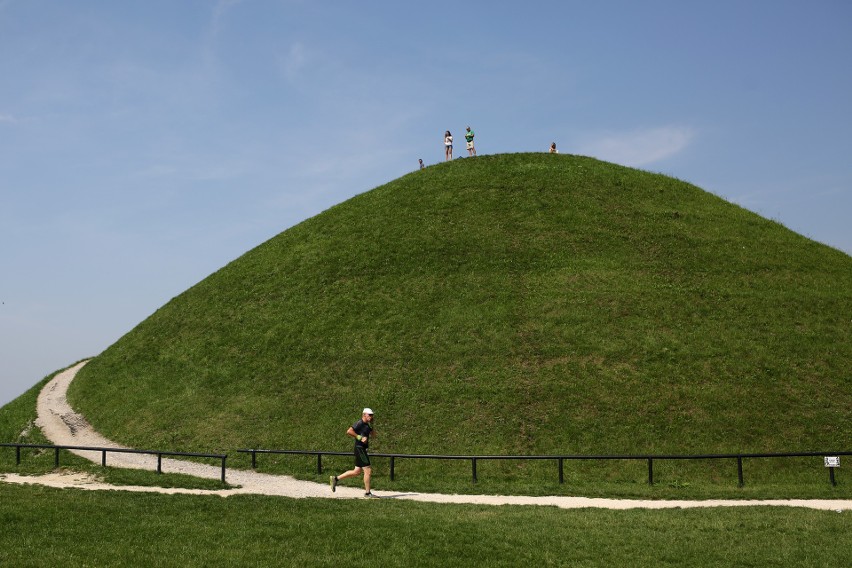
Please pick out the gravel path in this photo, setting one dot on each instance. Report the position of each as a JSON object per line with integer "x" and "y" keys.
{"x": 62, "y": 426}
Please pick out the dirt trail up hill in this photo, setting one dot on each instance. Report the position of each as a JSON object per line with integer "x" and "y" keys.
{"x": 62, "y": 426}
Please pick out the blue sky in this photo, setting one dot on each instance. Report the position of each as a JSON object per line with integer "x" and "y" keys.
{"x": 146, "y": 144}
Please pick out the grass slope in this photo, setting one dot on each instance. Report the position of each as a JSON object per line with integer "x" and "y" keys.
{"x": 509, "y": 304}
{"x": 18, "y": 425}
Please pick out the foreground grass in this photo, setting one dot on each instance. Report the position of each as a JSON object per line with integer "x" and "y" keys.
{"x": 45, "y": 527}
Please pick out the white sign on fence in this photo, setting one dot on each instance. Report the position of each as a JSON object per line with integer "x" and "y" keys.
{"x": 832, "y": 461}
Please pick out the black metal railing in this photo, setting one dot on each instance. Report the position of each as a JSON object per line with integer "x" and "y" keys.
{"x": 104, "y": 451}
{"x": 474, "y": 459}
{"x": 559, "y": 459}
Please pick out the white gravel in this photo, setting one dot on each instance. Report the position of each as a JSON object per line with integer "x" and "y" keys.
{"x": 62, "y": 426}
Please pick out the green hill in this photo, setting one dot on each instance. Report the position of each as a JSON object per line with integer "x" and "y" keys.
{"x": 518, "y": 303}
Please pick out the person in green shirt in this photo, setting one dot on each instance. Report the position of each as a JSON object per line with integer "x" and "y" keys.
{"x": 468, "y": 136}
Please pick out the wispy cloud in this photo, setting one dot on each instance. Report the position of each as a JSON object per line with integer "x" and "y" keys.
{"x": 295, "y": 59}
{"x": 8, "y": 118}
{"x": 219, "y": 12}
{"x": 639, "y": 147}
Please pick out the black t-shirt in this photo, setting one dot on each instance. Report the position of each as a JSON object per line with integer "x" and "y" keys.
{"x": 363, "y": 429}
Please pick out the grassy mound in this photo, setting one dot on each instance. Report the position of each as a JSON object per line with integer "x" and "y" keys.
{"x": 509, "y": 304}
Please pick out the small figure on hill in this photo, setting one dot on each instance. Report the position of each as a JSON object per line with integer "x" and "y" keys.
{"x": 553, "y": 149}
{"x": 361, "y": 431}
{"x": 421, "y": 163}
{"x": 468, "y": 136}
{"x": 448, "y": 146}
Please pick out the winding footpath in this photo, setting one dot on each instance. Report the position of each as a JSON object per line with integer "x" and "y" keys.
{"x": 62, "y": 426}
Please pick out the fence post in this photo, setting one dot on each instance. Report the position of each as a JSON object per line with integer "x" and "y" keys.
{"x": 223, "y": 467}
{"x": 253, "y": 459}
{"x": 18, "y": 455}
{"x": 740, "y": 470}
{"x": 319, "y": 464}
{"x": 473, "y": 463}
{"x": 650, "y": 471}
{"x": 56, "y": 457}
{"x": 831, "y": 476}
{"x": 159, "y": 463}
{"x": 103, "y": 458}
{"x": 561, "y": 471}
{"x": 392, "y": 468}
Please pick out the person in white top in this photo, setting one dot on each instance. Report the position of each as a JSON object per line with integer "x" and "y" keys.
{"x": 553, "y": 149}
{"x": 448, "y": 145}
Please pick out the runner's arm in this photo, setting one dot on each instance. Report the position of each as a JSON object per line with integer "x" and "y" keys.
{"x": 353, "y": 433}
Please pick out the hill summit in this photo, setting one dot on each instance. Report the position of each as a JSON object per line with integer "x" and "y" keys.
{"x": 523, "y": 303}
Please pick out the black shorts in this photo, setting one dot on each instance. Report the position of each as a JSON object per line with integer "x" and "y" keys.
{"x": 361, "y": 457}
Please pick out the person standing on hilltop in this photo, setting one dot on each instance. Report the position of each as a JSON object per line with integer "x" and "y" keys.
{"x": 553, "y": 149}
{"x": 448, "y": 146}
{"x": 468, "y": 136}
{"x": 361, "y": 431}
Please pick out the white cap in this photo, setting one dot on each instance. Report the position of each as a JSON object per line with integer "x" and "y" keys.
{"x": 367, "y": 411}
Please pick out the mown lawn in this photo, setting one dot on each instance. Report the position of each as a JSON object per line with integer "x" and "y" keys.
{"x": 48, "y": 527}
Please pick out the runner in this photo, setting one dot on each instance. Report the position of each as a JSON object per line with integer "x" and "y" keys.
{"x": 361, "y": 431}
